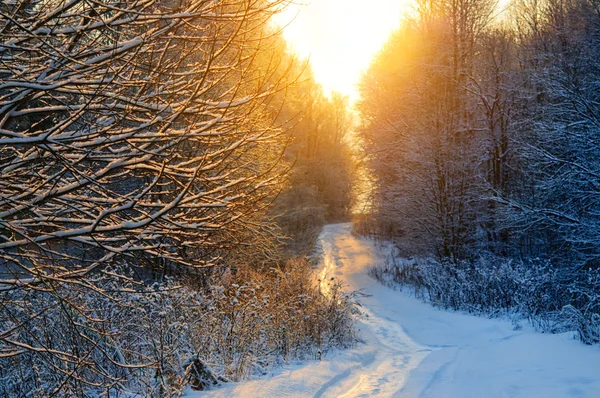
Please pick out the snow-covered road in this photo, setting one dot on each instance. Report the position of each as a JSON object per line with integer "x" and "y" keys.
{"x": 414, "y": 350}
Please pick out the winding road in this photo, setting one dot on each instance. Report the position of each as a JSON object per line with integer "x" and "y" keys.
{"x": 411, "y": 349}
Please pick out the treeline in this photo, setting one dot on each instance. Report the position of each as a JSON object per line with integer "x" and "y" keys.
{"x": 319, "y": 186}
{"x": 482, "y": 134}
{"x": 142, "y": 148}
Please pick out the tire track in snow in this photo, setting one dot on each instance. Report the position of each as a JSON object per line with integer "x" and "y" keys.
{"x": 457, "y": 355}
{"x": 395, "y": 353}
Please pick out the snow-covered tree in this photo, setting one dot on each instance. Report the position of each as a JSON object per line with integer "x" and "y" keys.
{"x": 560, "y": 52}
{"x": 133, "y": 135}
{"x": 421, "y": 130}
{"x": 132, "y": 129}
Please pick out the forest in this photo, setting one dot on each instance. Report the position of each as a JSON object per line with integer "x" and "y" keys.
{"x": 166, "y": 168}
{"x": 481, "y": 136}
{"x": 161, "y": 179}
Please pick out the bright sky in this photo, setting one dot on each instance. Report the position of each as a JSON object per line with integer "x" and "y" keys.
{"x": 341, "y": 36}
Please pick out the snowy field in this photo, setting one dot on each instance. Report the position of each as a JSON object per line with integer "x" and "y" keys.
{"x": 414, "y": 350}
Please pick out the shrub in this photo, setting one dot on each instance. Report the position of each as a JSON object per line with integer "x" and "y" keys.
{"x": 552, "y": 299}
{"x": 151, "y": 340}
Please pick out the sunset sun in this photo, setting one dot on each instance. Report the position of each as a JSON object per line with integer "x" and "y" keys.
{"x": 340, "y": 37}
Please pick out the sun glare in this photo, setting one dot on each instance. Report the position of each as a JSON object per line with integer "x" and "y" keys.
{"x": 340, "y": 36}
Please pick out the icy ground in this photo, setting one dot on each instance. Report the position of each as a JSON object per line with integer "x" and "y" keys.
{"x": 414, "y": 350}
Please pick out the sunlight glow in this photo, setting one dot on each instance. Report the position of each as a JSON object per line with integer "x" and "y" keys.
{"x": 341, "y": 36}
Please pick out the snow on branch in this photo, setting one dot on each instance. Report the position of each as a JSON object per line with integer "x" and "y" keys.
{"x": 130, "y": 132}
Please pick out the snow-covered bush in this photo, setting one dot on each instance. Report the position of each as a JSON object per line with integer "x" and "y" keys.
{"x": 116, "y": 335}
{"x": 545, "y": 295}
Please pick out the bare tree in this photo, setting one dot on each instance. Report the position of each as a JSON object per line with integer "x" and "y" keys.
{"x": 422, "y": 125}
{"x": 137, "y": 132}
{"x": 560, "y": 146}
{"x": 131, "y": 128}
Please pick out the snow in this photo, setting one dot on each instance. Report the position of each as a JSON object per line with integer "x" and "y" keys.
{"x": 414, "y": 350}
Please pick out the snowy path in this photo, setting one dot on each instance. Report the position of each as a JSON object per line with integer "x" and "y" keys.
{"x": 414, "y": 350}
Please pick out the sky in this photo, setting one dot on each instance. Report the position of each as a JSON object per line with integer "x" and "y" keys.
{"x": 340, "y": 37}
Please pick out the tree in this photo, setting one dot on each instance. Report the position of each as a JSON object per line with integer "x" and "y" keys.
{"x": 137, "y": 133}
{"x": 132, "y": 129}
{"x": 319, "y": 185}
{"x": 422, "y": 129}
{"x": 482, "y": 138}
{"x": 560, "y": 41}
